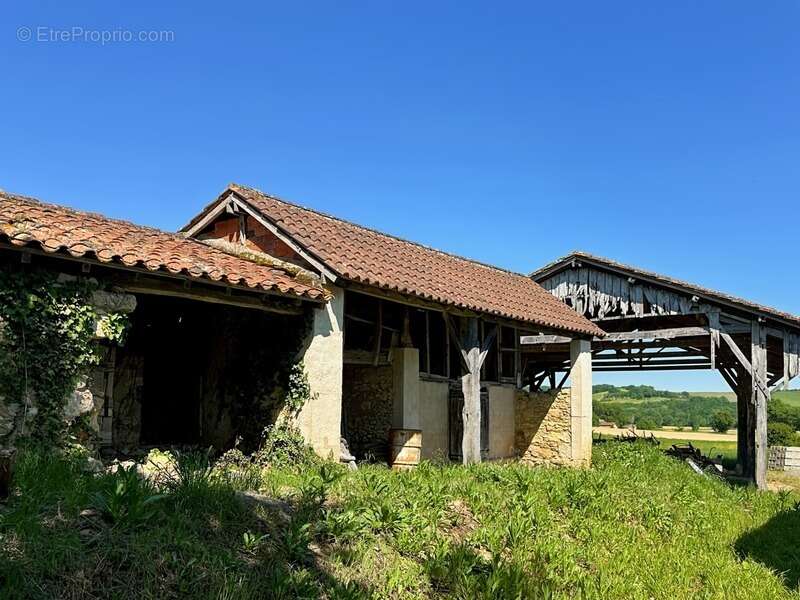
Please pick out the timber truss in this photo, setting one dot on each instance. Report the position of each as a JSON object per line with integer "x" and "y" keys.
{"x": 655, "y": 323}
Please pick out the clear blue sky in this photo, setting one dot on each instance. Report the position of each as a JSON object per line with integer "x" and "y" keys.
{"x": 666, "y": 135}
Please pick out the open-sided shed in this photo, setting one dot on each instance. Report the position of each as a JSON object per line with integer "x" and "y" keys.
{"x": 654, "y": 322}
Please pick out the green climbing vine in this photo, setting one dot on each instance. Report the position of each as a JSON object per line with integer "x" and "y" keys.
{"x": 47, "y": 327}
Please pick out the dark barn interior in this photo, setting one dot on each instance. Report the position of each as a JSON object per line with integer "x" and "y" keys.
{"x": 196, "y": 373}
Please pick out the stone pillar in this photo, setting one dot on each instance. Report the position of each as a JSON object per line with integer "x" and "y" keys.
{"x": 320, "y": 420}
{"x": 581, "y": 401}
{"x": 405, "y": 388}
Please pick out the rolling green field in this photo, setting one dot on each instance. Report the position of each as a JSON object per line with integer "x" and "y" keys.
{"x": 637, "y": 525}
{"x": 791, "y": 397}
{"x": 650, "y": 408}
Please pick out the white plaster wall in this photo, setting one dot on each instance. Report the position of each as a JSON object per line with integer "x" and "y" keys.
{"x": 433, "y": 418}
{"x": 501, "y": 421}
{"x": 321, "y": 419}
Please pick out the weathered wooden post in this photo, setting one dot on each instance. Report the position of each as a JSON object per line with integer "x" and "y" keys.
{"x": 473, "y": 354}
{"x": 471, "y": 387}
{"x": 760, "y": 397}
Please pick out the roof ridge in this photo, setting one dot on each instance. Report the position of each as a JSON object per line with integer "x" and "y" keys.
{"x": 234, "y": 185}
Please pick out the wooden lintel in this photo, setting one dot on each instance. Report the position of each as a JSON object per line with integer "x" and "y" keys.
{"x": 654, "y": 368}
{"x": 654, "y": 334}
{"x": 544, "y": 339}
{"x": 177, "y": 290}
{"x": 126, "y": 276}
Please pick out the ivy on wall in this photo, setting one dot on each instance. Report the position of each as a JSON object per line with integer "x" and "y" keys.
{"x": 47, "y": 328}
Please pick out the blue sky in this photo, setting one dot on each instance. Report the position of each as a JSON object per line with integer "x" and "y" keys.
{"x": 665, "y": 135}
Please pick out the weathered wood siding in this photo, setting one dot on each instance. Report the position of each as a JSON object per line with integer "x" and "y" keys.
{"x": 599, "y": 294}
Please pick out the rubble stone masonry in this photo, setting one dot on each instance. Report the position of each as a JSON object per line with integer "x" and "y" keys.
{"x": 543, "y": 427}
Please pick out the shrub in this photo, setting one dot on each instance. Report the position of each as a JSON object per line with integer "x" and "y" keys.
{"x": 781, "y": 434}
{"x": 284, "y": 446}
{"x": 646, "y": 423}
{"x": 722, "y": 421}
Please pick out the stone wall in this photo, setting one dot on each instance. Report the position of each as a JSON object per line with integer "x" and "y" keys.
{"x": 89, "y": 401}
{"x": 367, "y": 408}
{"x": 543, "y": 427}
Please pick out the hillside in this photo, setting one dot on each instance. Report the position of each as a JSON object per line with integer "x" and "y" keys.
{"x": 651, "y": 408}
{"x": 636, "y": 525}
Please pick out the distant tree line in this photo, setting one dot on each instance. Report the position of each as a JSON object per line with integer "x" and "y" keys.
{"x": 650, "y": 408}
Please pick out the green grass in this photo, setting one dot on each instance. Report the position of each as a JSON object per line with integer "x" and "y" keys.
{"x": 726, "y": 449}
{"x": 636, "y": 525}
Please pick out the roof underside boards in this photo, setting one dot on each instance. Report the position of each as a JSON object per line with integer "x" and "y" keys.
{"x": 54, "y": 229}
{"x": 578, "y": 259}
{"x": 376, "y": 259}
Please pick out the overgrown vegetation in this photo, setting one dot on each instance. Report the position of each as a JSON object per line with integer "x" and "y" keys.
{"x": 637, "y": 525}
{"x": 46, "y": 331}
{"x": 782, "y": 434}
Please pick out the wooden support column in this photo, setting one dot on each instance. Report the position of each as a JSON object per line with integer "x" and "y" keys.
{"x": 473, "y": 354}
{"x": 471, "y": 386}
{"x": 744, "y": 441}
{"x": 760, "y": 397}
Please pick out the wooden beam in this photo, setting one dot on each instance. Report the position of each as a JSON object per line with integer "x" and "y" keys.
{"x": 176, "y": 290}
{"x": 656, "y": 334}
{"x": 286, "y": 239}
{"x": 599, "y": 362}
{"x": 729, "y": 378}
{"x": 379, "y": 335}
{"x": 212, "y": 214}
{"x": 615, "y": 336}
{"x": 737, "y": 352}
{"x": 126, "y": 276}
{"x": 471, "y": 387}
{"x": 653, "y": 368}
{"x": 473, "y": 354}
{"x": 544, "y": 339}
{"x": 760, "y": 399}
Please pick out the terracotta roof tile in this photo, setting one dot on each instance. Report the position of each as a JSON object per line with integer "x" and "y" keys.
{"x": 27, "y": 221}
{"x": 367, "y": 256}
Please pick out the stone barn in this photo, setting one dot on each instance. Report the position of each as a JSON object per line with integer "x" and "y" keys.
{"x": 210, "y": 332}
{"x": 410, "y": 352}
{"x": 419, "y": 340}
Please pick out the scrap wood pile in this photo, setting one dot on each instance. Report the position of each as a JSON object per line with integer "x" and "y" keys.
{"x": 629, "y": 436}
{"x": 694, "y": 457}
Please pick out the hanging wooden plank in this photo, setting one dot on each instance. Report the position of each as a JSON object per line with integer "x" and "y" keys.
{"x": 714, "y": 327}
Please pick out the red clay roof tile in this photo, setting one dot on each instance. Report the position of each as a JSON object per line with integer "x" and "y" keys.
{"x": 366, "y": 256}
{"x": 26, "y": 221}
